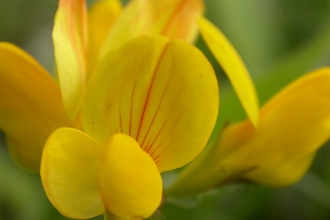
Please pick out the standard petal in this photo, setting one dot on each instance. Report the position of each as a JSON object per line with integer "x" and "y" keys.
{"x": 162, "y": 93}
{"x": 233, "y": 66}
{"x": 129, "y": 181}
{"x": 30, "y": 105}
{"x": 101, "y": 17}
{"x": 171, "y": 18}
{"x": 69, "y": 36}
{"x": 293, "y": 125}
{"x": 69, "y": 167}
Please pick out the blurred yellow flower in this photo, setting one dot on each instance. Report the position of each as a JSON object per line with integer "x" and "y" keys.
{"x": 278, "y": 152}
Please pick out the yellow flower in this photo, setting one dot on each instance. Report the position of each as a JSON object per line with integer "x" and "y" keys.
{"x": 278, "y": 152}
{"x": 32, "y": 104}
{"x": 150, "y": 107}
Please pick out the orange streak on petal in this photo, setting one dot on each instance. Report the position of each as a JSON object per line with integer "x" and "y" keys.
{"x": 182, "y": 23}
{"x": 70, "y": 40}
{"x": 171, "y": 18}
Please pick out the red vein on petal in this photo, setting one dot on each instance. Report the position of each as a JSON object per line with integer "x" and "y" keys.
{"x": 150, "y": 87}
{"x": 150, "y": 146}
{"x": 155, "y": 150}
{"x": 153, "y": 119}
{"x": 174, "y": 137}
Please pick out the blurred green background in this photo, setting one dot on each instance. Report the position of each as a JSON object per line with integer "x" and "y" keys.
{"x": 279, "y": 40}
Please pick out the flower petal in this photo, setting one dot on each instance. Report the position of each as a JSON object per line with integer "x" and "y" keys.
{"x": 69, "y": 36}
{"x": 129, "y": 181}
{"x": 171, "y": 18}
{"x": 110, "y": 216}
{"x": 30, "y": 105}
{"x": 293, "y": 125}
{"x": 69, "y": 167}
{"x": 101, "y": 17}
{"x": 162, "y": 93}
{"x": 234, "y": 67}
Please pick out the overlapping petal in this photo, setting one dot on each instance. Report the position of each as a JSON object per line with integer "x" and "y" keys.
{"x": 130, "y": 184}
{"x": 69, "y": 169}
{"x": 70, "y": 42}
{"x": 101, "y": 17}
{"x": 30, "y": 105}
{"x": 172, "y": 18}
{"x": 233, "y": 66}
{"x": 161, "y": 92}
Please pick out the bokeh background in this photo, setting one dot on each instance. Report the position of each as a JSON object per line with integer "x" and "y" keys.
{"x": 279, "y": 40}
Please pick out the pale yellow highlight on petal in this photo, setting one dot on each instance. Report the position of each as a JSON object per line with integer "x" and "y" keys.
{"x": 171, "y": 18}
{"x": 129, "y": 181}
{"x": 70, "y": 42}
{"x": 161, "y": 92}
{"x": 101, "y": 17}
{"x": 69, "y": 167}
{"x": 233, "y": 66}
{"x": 293, "y": 125}
{"x": 30, "y": 105}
